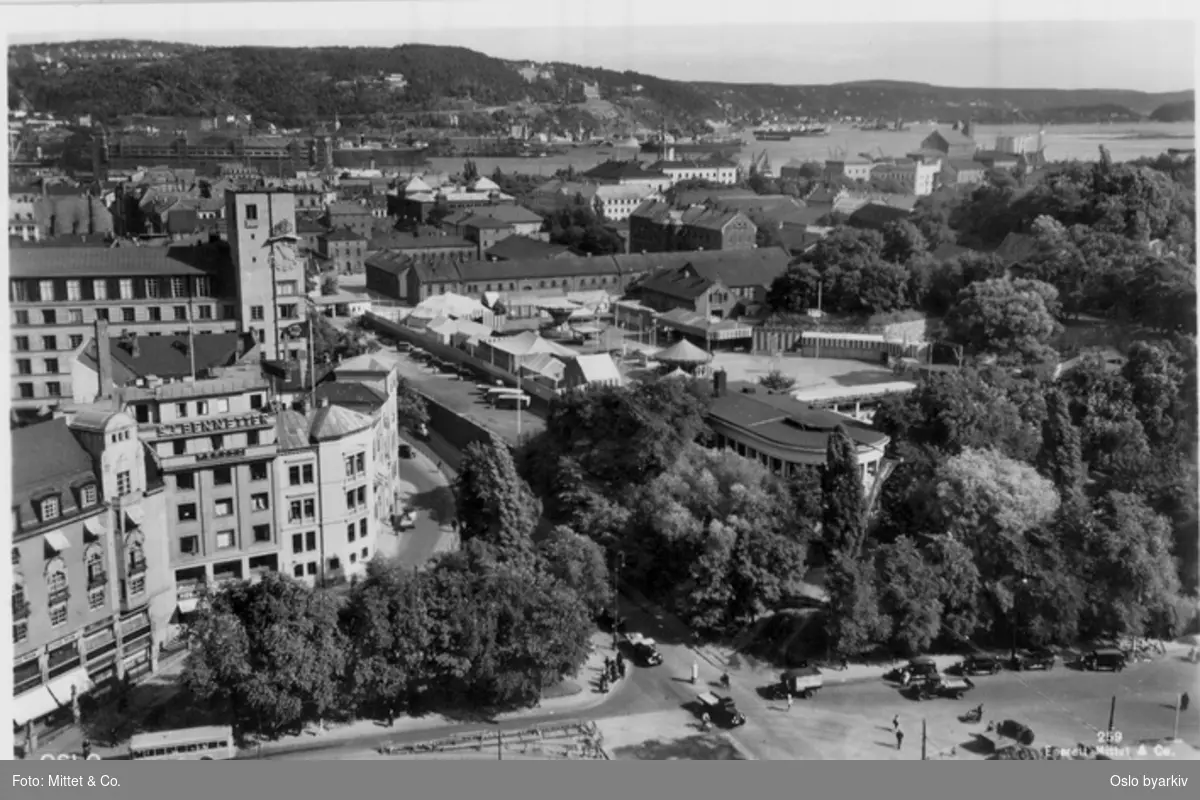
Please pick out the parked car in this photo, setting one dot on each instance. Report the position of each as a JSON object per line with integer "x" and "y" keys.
{"x": 979, "y": 665}
{"x": 941, "y": 686}
{"x": 1040, "y": 658}
{"x": 406, "y": 451}
{"x": 1105, "y": 658}
{"x": 406, "y": 520}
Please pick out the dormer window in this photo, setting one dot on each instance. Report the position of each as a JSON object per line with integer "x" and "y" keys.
{"x": 48, "y": 508}
{"x": 88, "y": 496}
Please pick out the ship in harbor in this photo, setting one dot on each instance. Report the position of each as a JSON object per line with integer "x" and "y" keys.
{"x": 787, "y": 134}
{"x": 772, "y": 136}
{"x": 692, "y": 147}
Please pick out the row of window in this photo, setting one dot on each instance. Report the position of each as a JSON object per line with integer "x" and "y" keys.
{"x": 49, "y": 290}
{"x": 335, "y": 564}
{"x": 226, "y": 540}
{"x": 180, "y": 447}
{"x": 58, "y": 593}
{"x": 50, "y": 507}
{"x": 286, "y": 311}
{"x": 223, "y": 507}
{"x": 76, "y": 316}
{"x": 27, "y": 391}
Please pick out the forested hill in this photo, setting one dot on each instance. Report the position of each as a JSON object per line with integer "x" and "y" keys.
{"x": 299, "y": 86}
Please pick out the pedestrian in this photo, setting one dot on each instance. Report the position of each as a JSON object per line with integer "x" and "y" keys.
{"x": 899, "y": 738}
{"x": 896, "y": 722}
{"x": 695, "y": 672}
{"x": 87, "y": 749}
{"x": 789, "y": 699}
{"x": 1184, "y": 702}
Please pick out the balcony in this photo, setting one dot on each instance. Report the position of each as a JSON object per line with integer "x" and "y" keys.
{"x": 137, "y": 566}
{"x": 97, "y": 578}
{"x": 59, "y": 597}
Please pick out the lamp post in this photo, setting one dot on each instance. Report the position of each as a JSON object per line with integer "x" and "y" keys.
{"x": 618, "y": 563}
{"x": 1015, "y": 618}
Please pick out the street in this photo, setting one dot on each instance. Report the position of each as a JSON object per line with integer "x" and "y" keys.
{"x": 425, "y": 490}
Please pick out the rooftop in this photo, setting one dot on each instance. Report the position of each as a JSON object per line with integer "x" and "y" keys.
{"x": 788, "y": 422}
{"x": 50, "y": 459}
{"x": 621, "y": 170}
{"x": 103, "y": 262}
{"x": 512, "y": 248}
{"x": 166, "y": 356}
{"x": 343, "y": 234}
{"x": 349, "y": 393}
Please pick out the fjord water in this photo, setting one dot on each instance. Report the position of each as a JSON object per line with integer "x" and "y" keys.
{"x": 1125, "y": 141}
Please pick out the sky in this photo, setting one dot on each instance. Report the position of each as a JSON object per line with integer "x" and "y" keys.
{"x": 1068, "y": 44}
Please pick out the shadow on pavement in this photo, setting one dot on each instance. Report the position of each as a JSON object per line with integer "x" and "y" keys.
{"x": 438, "y": 502}
{"x": 693, "y": 748}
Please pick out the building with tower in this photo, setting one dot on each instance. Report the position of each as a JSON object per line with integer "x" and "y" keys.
{"x": 268, "y": 271}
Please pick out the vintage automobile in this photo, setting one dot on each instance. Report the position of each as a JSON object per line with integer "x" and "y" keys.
{"x": 721, "y": 710}
{"x": 979, "y": 665}
{"x": 644, "y": 650}
{"x": 406, "y": 520}
{"x": 941, "y": 686}
{"x": 1105, "y": 658}
{"x": 1035, "y": 659}
{"x": 918, "y": 670}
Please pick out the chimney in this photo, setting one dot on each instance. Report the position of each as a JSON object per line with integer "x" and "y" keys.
{"x": 104, "y": 359}
{"x": 135, "y": 349}
{"x": 719, "y": 378}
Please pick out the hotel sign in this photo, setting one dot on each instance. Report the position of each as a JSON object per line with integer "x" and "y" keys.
{"x": 218, "y": 425}
{"x": 216, "y": 455}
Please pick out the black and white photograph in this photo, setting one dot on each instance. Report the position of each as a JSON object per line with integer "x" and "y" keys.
{"x": 631, "y": 381}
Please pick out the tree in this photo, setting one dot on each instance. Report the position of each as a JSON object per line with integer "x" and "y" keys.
{"x": 1061, "y": 458}
{"x": 854, "y": 622}
{"x": 494, "y": 503}
{"x": 776, "y": 380}
{"x": 909, "y": 596}
{"x": 1131, "y": 576}
{"x": 270, "y": 651}
{"x": 1013, "y": 318}
{"x": 411, "y": 407}
{"x": 991, "y": 503}
{"x": 1155, "y": 384}
{"x": 844, "y": 518}
{"x": 902, "y": 242}
{"x": 580, "y": 563}
{"x": 470, "y": 171}
{"x": 387, "y": 625}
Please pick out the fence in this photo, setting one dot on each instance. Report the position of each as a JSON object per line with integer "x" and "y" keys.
{"x": 568, "y": 740}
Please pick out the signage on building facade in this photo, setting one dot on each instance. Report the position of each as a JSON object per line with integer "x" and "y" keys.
{"x": 214, "y": 425}
{"x": 219, "y": 454}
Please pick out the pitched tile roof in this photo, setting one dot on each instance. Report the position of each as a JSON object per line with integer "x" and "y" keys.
{"x": 51, "y": 460}
{"x": 508, "y": 212}
{"x": 876, "y": 215}
{"x": 349, "y": 393}
{"x": 166, "y": 356}
{"x": 291, "y": 430}
{"x": 485, "y": 223}
{"x": 102, "y": 262}
{"x": 343, "y": 234}
{"x": 334, "y": 422}
{"x": 348, "y": 209}
{"x": 680, "y": 282}
{"x": 523, "y": 268}
{"x": 391, "y": 262}
{"x": 621, "y": 170}
{"x": 407, "y": 240}
{"x": 512, "y": 248}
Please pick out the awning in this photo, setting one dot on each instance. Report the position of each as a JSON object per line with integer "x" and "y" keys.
{"x": 135, "y": 515}
{"x": 57, "y": 541}
{"x": 189, "y": 605}
{"x": 95, "y": 526}
{"x": 49, "y": 697}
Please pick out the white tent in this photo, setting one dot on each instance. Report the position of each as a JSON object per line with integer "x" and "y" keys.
{"x": 449, "y": 305}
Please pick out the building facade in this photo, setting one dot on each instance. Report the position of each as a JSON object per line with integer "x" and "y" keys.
{"x": 343, "y": 249}
{"x": 269, "y": 273}
{"x": 916, "y": 177}
{"x": 91, "y": 587}
{"x": 57, "y": 294}
{"x": 326, "y": 489}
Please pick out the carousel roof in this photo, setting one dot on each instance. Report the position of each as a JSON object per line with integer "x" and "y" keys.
{"x": 683, "y": 352}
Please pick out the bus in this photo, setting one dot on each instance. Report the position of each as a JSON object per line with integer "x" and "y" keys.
{"x": 210, "y": 743}
{"x": 492, "y": 394}
{"x": 511, "y": 400}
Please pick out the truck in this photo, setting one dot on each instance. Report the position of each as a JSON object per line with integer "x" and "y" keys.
{"x": 721, "y": 710}
{"x": 803, "y": 682}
